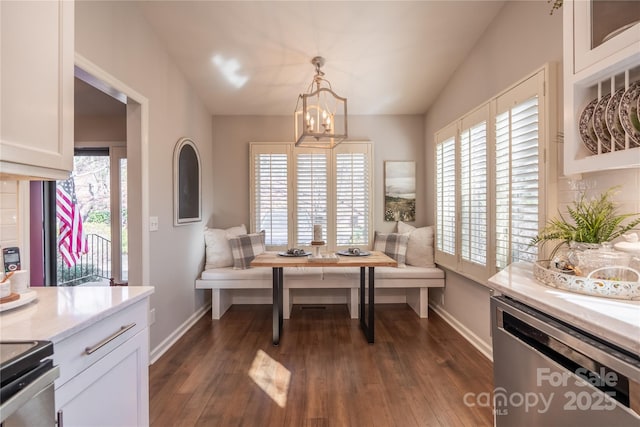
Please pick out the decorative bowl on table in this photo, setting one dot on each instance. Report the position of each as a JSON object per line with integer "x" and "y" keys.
{"x": 294, "y": 252}
{"x": 599, "y": 282}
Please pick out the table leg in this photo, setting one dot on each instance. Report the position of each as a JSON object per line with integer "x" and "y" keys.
{"x": 367, "y": 326}
{"x": 372, "y": 306}
{"x": 280, "y": 296}
{"x": 277, "y": 304}
{"x": 361, "y": 315}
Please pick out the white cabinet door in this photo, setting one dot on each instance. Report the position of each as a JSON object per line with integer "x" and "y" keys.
{"x": 36, "y": 86}
{"x": 113, "y": 391}
{"x": 603, "y": 32}
{"x": 601, "y": 57}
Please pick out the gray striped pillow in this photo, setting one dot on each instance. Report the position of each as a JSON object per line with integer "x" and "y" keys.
{"x": 245, "y": 248}
{"x": 393, "y": 245}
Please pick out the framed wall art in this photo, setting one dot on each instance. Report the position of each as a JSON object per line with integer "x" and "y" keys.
{"x": 187, "y": 183}
{"x": 400, "y": 191}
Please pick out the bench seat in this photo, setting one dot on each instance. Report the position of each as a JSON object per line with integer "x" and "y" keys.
{"x": 416, "y": 282}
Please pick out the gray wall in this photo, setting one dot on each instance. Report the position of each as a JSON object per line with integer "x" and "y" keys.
{"x": 115, "y": 37}
{"x": 521, "y": 39}
{"x": 393, "y": 137}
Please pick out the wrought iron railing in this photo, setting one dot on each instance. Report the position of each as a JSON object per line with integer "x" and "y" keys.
{"x": 92, "y": 266}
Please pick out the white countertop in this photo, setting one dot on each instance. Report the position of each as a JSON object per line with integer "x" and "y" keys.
{"x": 614, "y": 320}
{"x": 59, "y": 312}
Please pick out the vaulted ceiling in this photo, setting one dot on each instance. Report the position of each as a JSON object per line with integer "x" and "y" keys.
{"x": 386, "y": 57}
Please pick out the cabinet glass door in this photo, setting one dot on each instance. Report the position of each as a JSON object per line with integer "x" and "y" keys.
{"x": 604, "y": 32}
{"x": 610, "y": 18}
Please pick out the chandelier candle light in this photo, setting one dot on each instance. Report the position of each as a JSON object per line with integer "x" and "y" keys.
{"x": 317, "y": 240}
{"x": 320, "y": 119}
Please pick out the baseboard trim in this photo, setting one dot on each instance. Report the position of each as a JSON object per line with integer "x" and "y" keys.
{"x": 168, "y": 342}
{"x": 475, "y": 341}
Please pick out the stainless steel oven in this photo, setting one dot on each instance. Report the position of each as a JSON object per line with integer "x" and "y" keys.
{"x": 549, "y": 373}
{"x": 27, "y": 376}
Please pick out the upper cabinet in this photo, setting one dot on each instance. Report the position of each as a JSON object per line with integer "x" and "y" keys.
{"x": 36, "y": 86}
{"x": 601, "y": 85}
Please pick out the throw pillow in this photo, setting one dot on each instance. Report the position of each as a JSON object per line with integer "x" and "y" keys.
{"x": 217, "y": 247}
{"x": 420, "y": 246}
{"x": 245, "y": 248}
{"x": 393, "y": 245}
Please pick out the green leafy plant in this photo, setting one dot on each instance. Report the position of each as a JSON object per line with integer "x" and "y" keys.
{"x": 593, "y": 220}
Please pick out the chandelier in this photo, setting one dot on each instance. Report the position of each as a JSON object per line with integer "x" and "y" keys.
{"x": 320, "y": 119}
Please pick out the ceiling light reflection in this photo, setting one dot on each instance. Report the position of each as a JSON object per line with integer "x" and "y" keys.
{"x": 230, "y": 70}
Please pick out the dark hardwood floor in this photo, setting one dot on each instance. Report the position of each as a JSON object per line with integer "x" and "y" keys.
{"x": 416, "y": 374}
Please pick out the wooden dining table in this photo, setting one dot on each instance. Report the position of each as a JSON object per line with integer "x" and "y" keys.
{"x": 278, "y": 263}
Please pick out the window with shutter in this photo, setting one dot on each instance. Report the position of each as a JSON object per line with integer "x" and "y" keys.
{"x": 496, "y": 191}
{"x": 311, "y": 194}
{"x": 270, "y": 195}
{"x": 328, "y": 187}
{"x": 517, "y": 182}
{"x": 446, "y": 196}
{"x": 352, "y": 199}
{"x": 473, "y": 193}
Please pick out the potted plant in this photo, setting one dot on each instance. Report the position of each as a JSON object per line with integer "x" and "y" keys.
{"x": 593, "y": 221}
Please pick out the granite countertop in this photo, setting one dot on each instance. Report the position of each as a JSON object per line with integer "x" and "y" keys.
{"x": 614, "y": 320}
{"x": 59, "y": 312}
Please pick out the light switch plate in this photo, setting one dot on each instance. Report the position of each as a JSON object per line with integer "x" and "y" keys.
{"x": 153, "y": 223}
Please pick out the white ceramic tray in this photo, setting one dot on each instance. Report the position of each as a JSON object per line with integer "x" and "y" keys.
{"x": 324, "y": 258}
{"x": 586, "y": 285}
{"x": 25, "y": 298}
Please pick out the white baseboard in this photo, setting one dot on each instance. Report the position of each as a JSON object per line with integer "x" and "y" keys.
{"x": 166, "y": 344}
{"x": 476, "y": 341}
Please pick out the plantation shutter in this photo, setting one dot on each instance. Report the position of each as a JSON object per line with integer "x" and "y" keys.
{"x": 446, "y": 196}
{"x": 352, "y": 195}
{"x": 270, "y": 193}
{"x": 517, "y": 180}
{"x": 473, "y": 193}
{"x": 311, "y": 193}
{"x": 490, "y": 177}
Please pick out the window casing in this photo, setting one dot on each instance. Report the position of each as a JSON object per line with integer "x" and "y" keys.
{"x": 501, "y": 162}
{"x": 328, "y": 187}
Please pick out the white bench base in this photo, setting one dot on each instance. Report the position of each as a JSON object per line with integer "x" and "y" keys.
{"x": 416, "y": 293}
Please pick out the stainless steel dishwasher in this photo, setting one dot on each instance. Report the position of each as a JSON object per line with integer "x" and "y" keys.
{"x": 27, "y": 378}
{"x": 549, "y": 373}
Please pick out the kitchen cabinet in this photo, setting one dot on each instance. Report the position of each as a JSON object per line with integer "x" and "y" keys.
{"x": 104, "y": 371}
{"x": 601, "y": 56}
{"x": 37, "y": 88}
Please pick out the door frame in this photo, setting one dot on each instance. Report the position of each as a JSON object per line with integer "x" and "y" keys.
{"x": 115, "y": 155}
{"x": 137, "y": 162}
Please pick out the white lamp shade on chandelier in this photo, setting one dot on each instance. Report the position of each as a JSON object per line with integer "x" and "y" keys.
{"x": 320, "y": 119}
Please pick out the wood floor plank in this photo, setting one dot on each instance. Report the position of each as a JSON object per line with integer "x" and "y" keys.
{"x": 416, "y": 374}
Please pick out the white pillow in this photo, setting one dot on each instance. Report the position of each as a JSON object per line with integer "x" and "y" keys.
{"x": 420, "y": 246}
{"x": 218, "y": 249}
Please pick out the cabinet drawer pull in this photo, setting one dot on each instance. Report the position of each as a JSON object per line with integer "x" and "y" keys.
{"x": 107, "y": 340}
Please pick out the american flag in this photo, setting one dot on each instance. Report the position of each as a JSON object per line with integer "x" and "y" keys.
{"x": 71, "y": 240}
